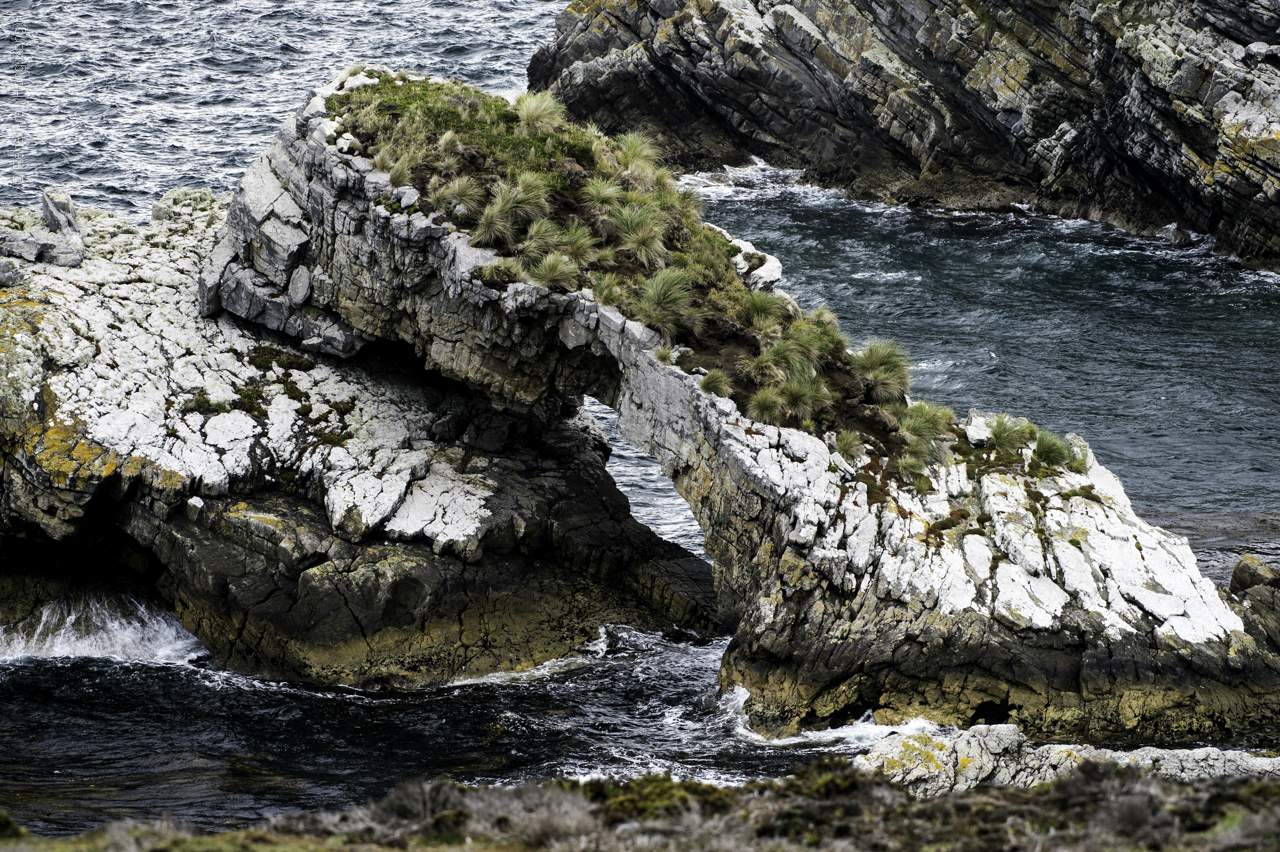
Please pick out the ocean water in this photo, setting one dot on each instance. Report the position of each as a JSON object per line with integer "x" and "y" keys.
{"x": 1162, "y": 357}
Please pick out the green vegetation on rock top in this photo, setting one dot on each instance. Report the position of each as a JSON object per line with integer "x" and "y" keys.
{"x": 569, "y": 208}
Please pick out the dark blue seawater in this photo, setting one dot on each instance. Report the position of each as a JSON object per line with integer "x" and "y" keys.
{"x": 1163, "y": 358}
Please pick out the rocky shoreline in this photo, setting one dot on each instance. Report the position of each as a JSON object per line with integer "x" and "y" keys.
{"x": 829, "y": 806}
{"x": 1150, "y": 115}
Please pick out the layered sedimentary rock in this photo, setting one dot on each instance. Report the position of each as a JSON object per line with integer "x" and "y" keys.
{"x": 930, "y": 765}
{"x": 1142, "y": 113}
{"x": 314, "y": 519}
{"x": 999, "y": 593}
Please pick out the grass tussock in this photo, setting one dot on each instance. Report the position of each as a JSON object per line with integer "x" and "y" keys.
{"x": 884, "y": 365}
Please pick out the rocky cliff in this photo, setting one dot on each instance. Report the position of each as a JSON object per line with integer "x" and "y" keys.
{"x": 312, "y": 519}
{"x": 994, "y": 589}
{"x": 1143, "y": 114}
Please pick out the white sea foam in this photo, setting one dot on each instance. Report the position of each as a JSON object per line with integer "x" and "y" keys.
{"x": 851, "y": 738}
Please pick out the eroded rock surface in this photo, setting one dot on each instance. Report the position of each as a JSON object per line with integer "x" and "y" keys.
{"x": 321, "y": 520}
{"x": 1142, "y": 114}
{"x": 1001, "y": 593}
{"x": 929, "y": 765}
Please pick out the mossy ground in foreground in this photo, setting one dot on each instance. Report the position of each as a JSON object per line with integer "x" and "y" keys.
{"x": 824, "y": 806}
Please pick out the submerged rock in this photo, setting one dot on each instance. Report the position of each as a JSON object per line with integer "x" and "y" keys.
{"x": 1141, "y": 115}
{"x": 316, "y": 520}
{"x": 998, "y": 591}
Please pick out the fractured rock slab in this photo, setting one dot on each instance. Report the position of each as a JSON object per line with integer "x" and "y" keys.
{"x": 318, "y": 520}
{"x": 932, "y": 765}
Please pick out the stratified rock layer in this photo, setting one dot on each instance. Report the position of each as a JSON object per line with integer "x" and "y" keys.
{"x": 1003, "y": 593}
{"x": 930, "y": 765}
{"x": 1142, "y": 114}
{"x": 317, "y": 520}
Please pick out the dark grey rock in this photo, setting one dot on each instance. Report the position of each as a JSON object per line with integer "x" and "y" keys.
{"x": 1153, "y": 114}
{"x": 10, "y": 274}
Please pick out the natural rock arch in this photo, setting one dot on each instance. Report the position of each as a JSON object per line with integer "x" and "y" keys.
{"x": 1057, "y": 607}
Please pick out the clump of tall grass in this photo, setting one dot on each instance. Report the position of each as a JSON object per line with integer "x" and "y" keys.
{"x": 885, "y": 367}
{"x": 848, "y": 443}
{"x": 530, "y": 197}
{"x": 494, "y": 227}
{"x": 822, "y": 343}
{"x": 1051, "y": 450}
{"x": 766, "y": 405}
{"x": 400, "y": 171}
{"x": 665, "y": 304}
{"x": 607, "y": 288}
{"x": 554, "y": 270}
{"x": 776, "y": 364}
{"x": 640, "y": 231}
{"x": 1010, "y": 434}
{"x": 635, "y": 150}
{"x": 760, "y": 309}
{"x": 461, "y": 192}
{"x": 598, "y": 197}
{"x": 805, "y": 397}
{"x": 449, "y": 142}
{"x": 922, "y": 420}
{"x": 665, "y": 354}
{"x": 541, "y": 238}
{"x": 538, "y": 112}
{"x": 577, "y": 242}
{"x": 716, "y": 382}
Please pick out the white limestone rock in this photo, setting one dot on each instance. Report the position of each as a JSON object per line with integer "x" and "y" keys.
{"x": 934, "y": 764}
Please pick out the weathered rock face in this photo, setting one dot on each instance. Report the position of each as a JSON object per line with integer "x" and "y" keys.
{"x": 1142, "y": 114}
{"x": 326, "y": 521}
{"x": 999, "y": 754}
{"x": 1000, "y": 594}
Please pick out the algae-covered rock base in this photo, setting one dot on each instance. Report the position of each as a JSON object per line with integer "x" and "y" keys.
{"x": 309, "y": 519}
{"x": 989, "y": 580}
{"x": 1145, "y": 114}
{"x": 826, "y": 806}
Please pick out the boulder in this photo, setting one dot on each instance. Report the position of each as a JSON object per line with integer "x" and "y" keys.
{"x": 1251, "y": 571}
{"x": 999, "y": 592}
{"x": 1142, "y": 116}
{"x": 311, "y": 519}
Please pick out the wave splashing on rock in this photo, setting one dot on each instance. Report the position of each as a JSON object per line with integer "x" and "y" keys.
{"x": 100, "y": 625}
